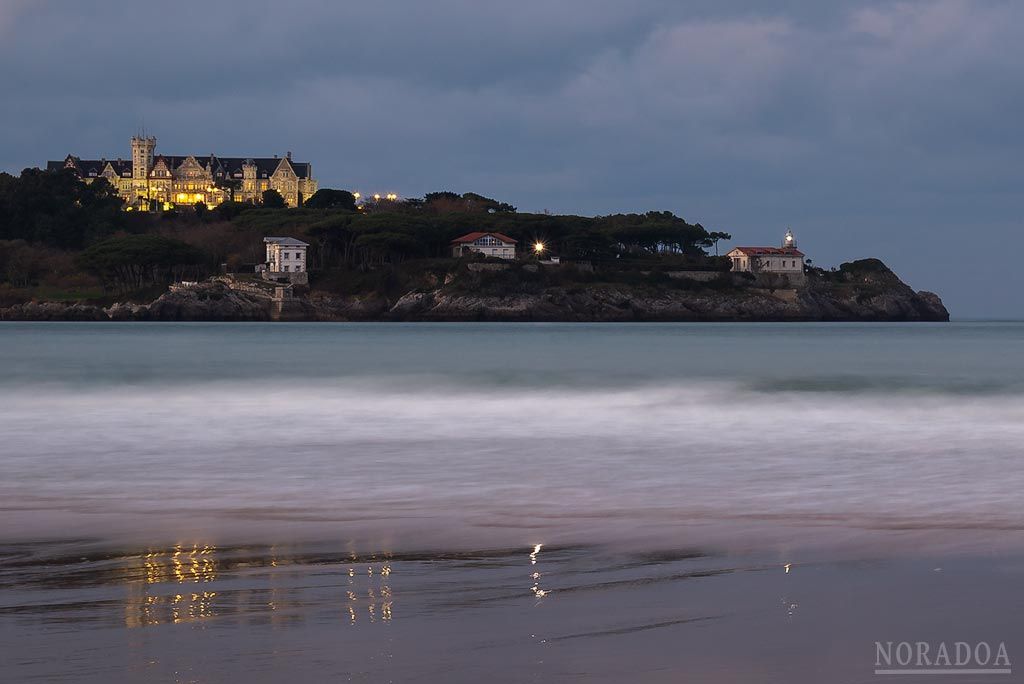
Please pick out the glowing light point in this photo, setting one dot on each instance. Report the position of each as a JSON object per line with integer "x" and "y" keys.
{"x": 538, "y": 247}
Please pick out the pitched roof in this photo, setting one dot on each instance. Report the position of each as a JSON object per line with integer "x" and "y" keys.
{"x": 768, "y": 251}
{"x": 286, "y": 241}
{"x": 472, "y": 237}
{"x": 229, "y": 166}
{"x": 91, "y": 167}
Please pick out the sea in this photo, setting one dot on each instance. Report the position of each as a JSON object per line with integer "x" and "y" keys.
{"x": 508, "y": 502}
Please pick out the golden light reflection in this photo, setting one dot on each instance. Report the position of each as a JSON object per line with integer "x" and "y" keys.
{"x": 144, "y": 610}
{"x": 181, "y": 565}
{"x": 196, "y": 565}
{"x": 376, "y": 599}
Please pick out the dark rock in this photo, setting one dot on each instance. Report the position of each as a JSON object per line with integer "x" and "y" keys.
{"x": 52, "y": 311}
{"x": 210, "y": 301}
{"x": 864, "y": 290}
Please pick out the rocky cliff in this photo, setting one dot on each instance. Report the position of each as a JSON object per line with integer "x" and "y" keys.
{"x": 859, "y": 291}
{"x": 212, "y": 301}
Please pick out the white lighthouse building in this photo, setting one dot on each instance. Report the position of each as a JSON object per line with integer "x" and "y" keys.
{"x": 784, "y": 260}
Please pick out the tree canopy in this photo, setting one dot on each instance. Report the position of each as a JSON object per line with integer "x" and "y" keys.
{"x": 136, "y": 260}
{"x": 272, "y": 199}
{"x": 326, "y": 198}
{"x": 57, "y": 209}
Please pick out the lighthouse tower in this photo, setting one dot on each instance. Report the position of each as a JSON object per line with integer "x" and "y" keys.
{"x": 789, "y": 240}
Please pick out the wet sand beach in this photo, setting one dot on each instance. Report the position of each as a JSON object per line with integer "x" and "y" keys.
{"x": 551, "y": 503}
{"x": 266, "y": 614}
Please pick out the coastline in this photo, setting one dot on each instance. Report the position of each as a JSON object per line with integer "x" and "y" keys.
{"x": 864, "y": 291}
{"x": 607, "y": 503}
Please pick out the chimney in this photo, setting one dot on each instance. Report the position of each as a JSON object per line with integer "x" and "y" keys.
{"x": 289, "y": 155}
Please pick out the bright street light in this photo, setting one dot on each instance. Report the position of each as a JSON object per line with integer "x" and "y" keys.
{"x": 538, "y": 247}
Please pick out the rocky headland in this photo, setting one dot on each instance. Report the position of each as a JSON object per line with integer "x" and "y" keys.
{"x": 864, "y": 290}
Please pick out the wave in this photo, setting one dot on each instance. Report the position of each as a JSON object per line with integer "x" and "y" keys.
{"x": 505, "y": 464}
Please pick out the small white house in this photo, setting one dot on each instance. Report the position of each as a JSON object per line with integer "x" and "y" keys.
{"x": 785, "y": 260}
{"x": 286, "y": 260}
{"x": 488, "y": 244}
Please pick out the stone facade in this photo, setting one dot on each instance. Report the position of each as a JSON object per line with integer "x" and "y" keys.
{"x": 286, "y": 260}
{"x": 786, "y": 260}
{"x": 152, "y": 181}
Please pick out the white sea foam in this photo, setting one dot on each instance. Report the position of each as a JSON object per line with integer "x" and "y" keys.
{"x": 356, "y": 457}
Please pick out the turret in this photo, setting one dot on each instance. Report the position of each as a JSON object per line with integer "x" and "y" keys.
{"x": 142, "y": 156}
{"x": 789, "y": 240}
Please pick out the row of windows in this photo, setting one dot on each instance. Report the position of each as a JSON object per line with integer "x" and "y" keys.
{"x": 488, "y": 241}
{"x": 297, "y": 269}
{"x": 743, "y": 262}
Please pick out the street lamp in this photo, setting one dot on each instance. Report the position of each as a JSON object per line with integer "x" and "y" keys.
{"x": 538, "y": 247}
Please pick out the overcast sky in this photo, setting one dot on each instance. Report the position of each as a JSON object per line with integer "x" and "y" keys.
{"x": 888, "y": 129}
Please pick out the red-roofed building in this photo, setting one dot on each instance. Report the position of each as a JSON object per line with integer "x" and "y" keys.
{"x": 488, "y": 244}
{"x": 786, "y": 259}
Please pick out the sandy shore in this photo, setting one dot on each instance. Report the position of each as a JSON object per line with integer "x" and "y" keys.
{"x": 322, "y": 613}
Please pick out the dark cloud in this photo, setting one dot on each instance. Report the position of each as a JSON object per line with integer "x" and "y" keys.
{"x": 886, "y": 129}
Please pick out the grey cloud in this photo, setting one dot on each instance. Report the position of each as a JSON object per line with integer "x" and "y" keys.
{"x": 873, "y": 127}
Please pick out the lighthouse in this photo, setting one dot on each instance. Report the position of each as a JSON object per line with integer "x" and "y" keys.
{"x": 789, "y": 241}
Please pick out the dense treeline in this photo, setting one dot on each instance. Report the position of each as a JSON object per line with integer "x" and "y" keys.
{"x": 57, "y": 209}
{"x": 58, "y": 231}
{"x": 134, "y": 261}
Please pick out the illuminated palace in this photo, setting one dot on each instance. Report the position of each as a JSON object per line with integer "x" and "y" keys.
{"x": 154, "y": 181}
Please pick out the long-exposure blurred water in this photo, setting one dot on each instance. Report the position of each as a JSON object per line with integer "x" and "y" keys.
{"x": 517, "y": 491}
{"x": 403, "y": 433}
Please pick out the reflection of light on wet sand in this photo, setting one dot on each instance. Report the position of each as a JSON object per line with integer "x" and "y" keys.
{"x": 196, "y": 565}
{"x": 143, "y": 610}
{"x": 368, "y": 594}
{"x": 535, "y": 576}
{"x": 378, "y": 598}
{"x": 182, "y": 566}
